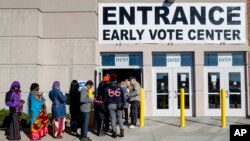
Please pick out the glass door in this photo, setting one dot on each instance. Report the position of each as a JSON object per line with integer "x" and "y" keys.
{"x": 162, "y": 86}
{"x": 235, "y": 88}
{"x": 166, "y": 91}
{"x": 213, "y": 83}
{"x": 232, "y": 80}
{"x": 182, "y": 79}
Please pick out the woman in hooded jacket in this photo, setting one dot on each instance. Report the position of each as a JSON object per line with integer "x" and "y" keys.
{"x": 58, "y": 110}
{"x": 15, "y": 104}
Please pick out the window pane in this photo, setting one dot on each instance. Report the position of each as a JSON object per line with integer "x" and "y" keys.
{"x": 162, "y": 102}
{"x": 235, "y": 90}
{"x": 235, "y": 101}
{"x": 159, "y": 60}
{"x": 183, "y": 82}
{"x": 211, "y": 59}
{"x": 162, "y": 91}
{"x": 162, "y": 83}
{"x": 214, "y": 101}
{"x": 214, "y": 90}
{"x": 186, "y": 101}
{"x": 234, "y": 82}
{"x": 108, "y": 59}
{"x": 186, "y": 59}
{"x": 214, "y": 82}
{"x": 238, "y": 59}
{"x": 135, "y": 59}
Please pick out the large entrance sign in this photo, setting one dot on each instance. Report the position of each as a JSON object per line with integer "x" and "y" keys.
{"x": 175, "y": 23}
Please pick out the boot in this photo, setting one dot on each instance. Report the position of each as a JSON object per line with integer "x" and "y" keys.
{"x": 114, "y": 135}
{"x": 122, "y": 133}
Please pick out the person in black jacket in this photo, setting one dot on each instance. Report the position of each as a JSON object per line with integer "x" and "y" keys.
{"x": 100, "y": 111}
{"x": 74, "y": 106}
{"x": 101, "y": 94}
{"x": 114, "y": 98}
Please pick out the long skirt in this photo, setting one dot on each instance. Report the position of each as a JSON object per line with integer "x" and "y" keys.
{"x": 39, "y": 127}
{"x": 58, "y": 127}
{"x": 14, "y": 127}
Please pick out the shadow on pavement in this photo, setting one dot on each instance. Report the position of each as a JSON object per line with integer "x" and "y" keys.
{"x": 195, "y": 121}
{"x": 235, "y": 122}
{"x": 159, "y": 121}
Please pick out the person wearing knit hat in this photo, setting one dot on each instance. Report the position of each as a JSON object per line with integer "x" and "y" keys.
{"x": 100, "y": 108}
{"x": 100, "y": 95}
{"x": 113, "y": 78}
{"x": 114, "y": 97}
{"x": 105, "y": 79}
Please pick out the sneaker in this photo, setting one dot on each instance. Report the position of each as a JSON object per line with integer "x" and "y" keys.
{"x": 132, "y": 126}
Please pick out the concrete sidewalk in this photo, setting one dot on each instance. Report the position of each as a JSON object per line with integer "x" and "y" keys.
{"x": 164, "y": 129}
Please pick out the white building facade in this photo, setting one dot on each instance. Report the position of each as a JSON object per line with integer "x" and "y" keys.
{"x": 200, "y": 46}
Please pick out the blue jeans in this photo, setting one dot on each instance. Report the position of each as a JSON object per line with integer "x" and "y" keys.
{"x": 85, "y": 123}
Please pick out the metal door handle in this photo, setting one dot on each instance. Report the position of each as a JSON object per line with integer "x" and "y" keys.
{"x": 227, "y": 92}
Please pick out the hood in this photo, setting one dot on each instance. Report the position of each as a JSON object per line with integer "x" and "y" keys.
{"x": 56, "y": 85}
{"x": 15, "y": 83}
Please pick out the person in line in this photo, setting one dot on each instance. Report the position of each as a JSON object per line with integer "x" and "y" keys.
{"x": 114, "y": 97}
{"x": 126, "y": 106}
{"x": 134, "y": 97}
{"x": 74, "y": 106}
{"x": 15, "y": 104}
{"x": 129, "y": 89}
{"x": 100, "y": 111}
{"x": 101, "y": 88}
{"x": 85, "y": 107}
{"x": 58, "y": 110}
{"x": 37, "y": 110}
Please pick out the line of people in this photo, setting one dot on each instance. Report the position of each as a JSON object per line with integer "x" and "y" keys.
{"x": 109, "y": 102}
{"x": 112, "y": 99}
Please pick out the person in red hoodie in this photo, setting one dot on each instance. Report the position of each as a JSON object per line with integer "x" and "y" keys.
{"x": 114, "y": 98}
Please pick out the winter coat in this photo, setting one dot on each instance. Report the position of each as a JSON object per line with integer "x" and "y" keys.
{"x": 58, "y": 103}
{"x": 85, "y": 101}
{"x": 13, "y": 99}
